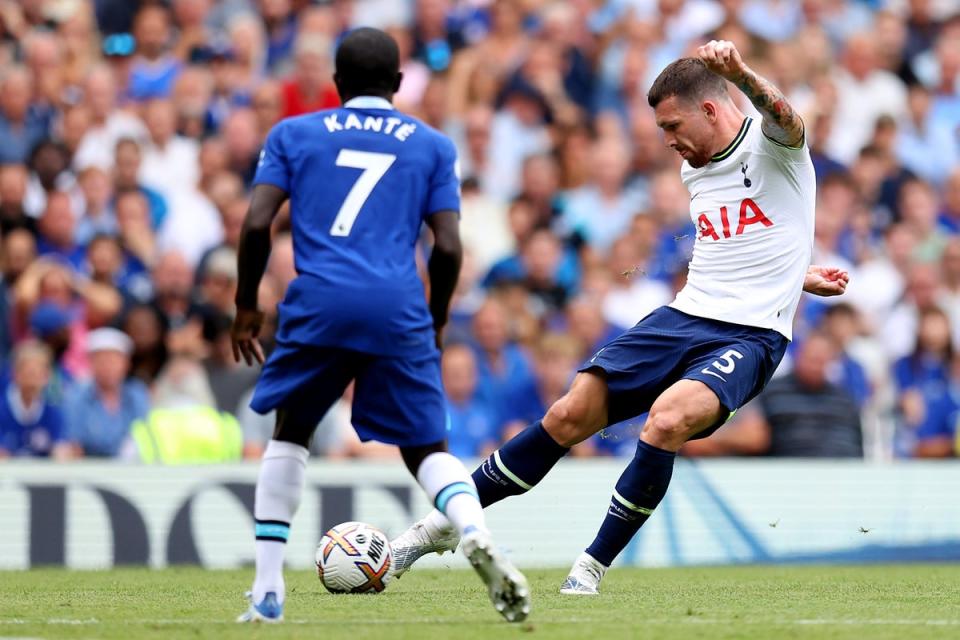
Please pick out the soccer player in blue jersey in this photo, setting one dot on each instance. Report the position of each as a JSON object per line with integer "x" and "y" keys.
{"x": 361, "y": 180}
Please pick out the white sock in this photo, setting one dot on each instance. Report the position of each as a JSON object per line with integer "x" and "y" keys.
{"x": 279, "y": 488}
{"x": 436, "y": 521}
{"x": 451, "y": 489}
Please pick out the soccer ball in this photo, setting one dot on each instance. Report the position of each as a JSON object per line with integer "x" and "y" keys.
{"x": 354, "y": 557}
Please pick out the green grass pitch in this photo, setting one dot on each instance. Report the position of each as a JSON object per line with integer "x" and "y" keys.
{"x": 876, "y": 602}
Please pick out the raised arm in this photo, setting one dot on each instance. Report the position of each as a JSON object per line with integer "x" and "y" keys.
{"x": 252, "y": 258}
{"x": 444, "y": 266}
{"x": 780, "y": 122}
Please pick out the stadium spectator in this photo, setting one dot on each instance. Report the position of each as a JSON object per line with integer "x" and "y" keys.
{"x": 501, "y": 364}
{"x": 126, "y": 177}
{"x": 229, "y": 380}
{"x": 49, "y": 165}
{"x": 29, "y": 424}
{"x": 50, "y": 325}
{"x": 146, "y": 327}
{"x": 100, "y": 412}
{"x": 801, "y": 414}
{"x": 473, "y": 429}
{"x": 13, "y": 192}
{"x": 57, "y": 228}
{"x": 23, "y": 123}
{"x": 864, "y": 93}
{"x": 108, "y": 124}
{"x": 601, "y": 211}
{"x": 310, "y": 88}
{"x": 937, "y": 435}
{"x": 183, "y": 426}
{"x": 155, "y": 69}
{"x": 18, "y": 248}
{"x": 97, "y": 216}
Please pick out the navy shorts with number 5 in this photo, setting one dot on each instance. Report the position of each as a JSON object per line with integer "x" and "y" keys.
{"x": 735, "y": 361}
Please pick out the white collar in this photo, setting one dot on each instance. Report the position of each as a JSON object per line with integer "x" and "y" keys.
{"x": 368, "y": 102}
{"x": 22, "y": 413}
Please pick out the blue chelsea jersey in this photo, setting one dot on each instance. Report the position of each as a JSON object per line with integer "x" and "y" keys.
{"x": 361, "y": 180}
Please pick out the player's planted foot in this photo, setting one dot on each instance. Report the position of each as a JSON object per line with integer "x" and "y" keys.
{"x": 584, "y": 578}
{"x": 267, "y": 610}
{"x": 417, "y": 541}
{"x": 508, "y": 588}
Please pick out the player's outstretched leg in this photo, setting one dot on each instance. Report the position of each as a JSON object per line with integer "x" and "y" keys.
{"x": 452, "y": 491}
{"x": 516, "y": 467}
{"x": 638, "y": 492}
{"x": 279, "y": 488}
{"x": 683, "y": 410}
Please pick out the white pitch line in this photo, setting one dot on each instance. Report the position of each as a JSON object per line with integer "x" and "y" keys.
{"x": 571, "y": 620}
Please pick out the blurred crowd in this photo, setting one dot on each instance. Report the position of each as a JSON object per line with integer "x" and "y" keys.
{"x": 130, "y": 130}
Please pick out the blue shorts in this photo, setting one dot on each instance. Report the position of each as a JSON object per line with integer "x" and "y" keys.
{"x": 396, "y": 400}
{"x": 735, "y": 361}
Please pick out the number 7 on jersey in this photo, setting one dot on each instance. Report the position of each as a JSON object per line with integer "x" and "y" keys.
{"x": 374, "y": 166}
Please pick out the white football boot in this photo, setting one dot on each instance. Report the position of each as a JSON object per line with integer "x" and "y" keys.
{"x": 268, "y": 610}
{"x": 508, "y": 588}
{"x": 422, "y": 538}
{"x": 584, "y": 578}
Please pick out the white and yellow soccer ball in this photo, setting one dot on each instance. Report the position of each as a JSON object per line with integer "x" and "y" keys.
{"x": 354, "y": 557}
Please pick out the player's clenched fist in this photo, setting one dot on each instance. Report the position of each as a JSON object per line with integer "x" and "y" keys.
{"x": 722, "y": 57}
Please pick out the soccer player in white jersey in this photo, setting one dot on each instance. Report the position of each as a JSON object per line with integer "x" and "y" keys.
{"x": 694, "y": 362}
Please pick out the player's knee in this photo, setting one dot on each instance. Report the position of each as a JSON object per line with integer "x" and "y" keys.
{"x": 667, "y": 429}
{"x": 568, "y": 421}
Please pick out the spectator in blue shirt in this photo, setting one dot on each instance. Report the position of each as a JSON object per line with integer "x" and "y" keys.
{"x": 473, "y": 424}
{"x": 154, "y": 68}
{"x": 29, "y": 424}
{"x": 502, "y": 365}
{"x": 23, "y": 124}
{"x": 937, "y": 434}
{"x": 928, "y": 366}
{"x": 100, "y": 413}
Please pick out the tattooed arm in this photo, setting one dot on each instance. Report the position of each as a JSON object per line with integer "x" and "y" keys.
{"x": 780, "y": 122}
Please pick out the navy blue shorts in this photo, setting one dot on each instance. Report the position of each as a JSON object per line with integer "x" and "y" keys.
{"x": 735, "y": 361}
{"x": 396, "y": 400}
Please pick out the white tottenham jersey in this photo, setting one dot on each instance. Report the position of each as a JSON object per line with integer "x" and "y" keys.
{"x": 753, "y": 205}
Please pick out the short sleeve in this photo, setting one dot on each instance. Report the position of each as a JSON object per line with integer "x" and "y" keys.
{"x": 273, "y": 167}
{"x": 782, "y": 152}
{"x": 445, "y": 183}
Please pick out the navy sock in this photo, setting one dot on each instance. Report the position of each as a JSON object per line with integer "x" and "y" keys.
{"x": 518, "y": 465}
{"x": 639, "y": 490}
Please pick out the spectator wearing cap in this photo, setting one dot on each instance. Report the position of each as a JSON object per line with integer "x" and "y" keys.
{"x": 50, "y": 325}
{"x": 101, "y": 412}
{"x": 29, "y": 424}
